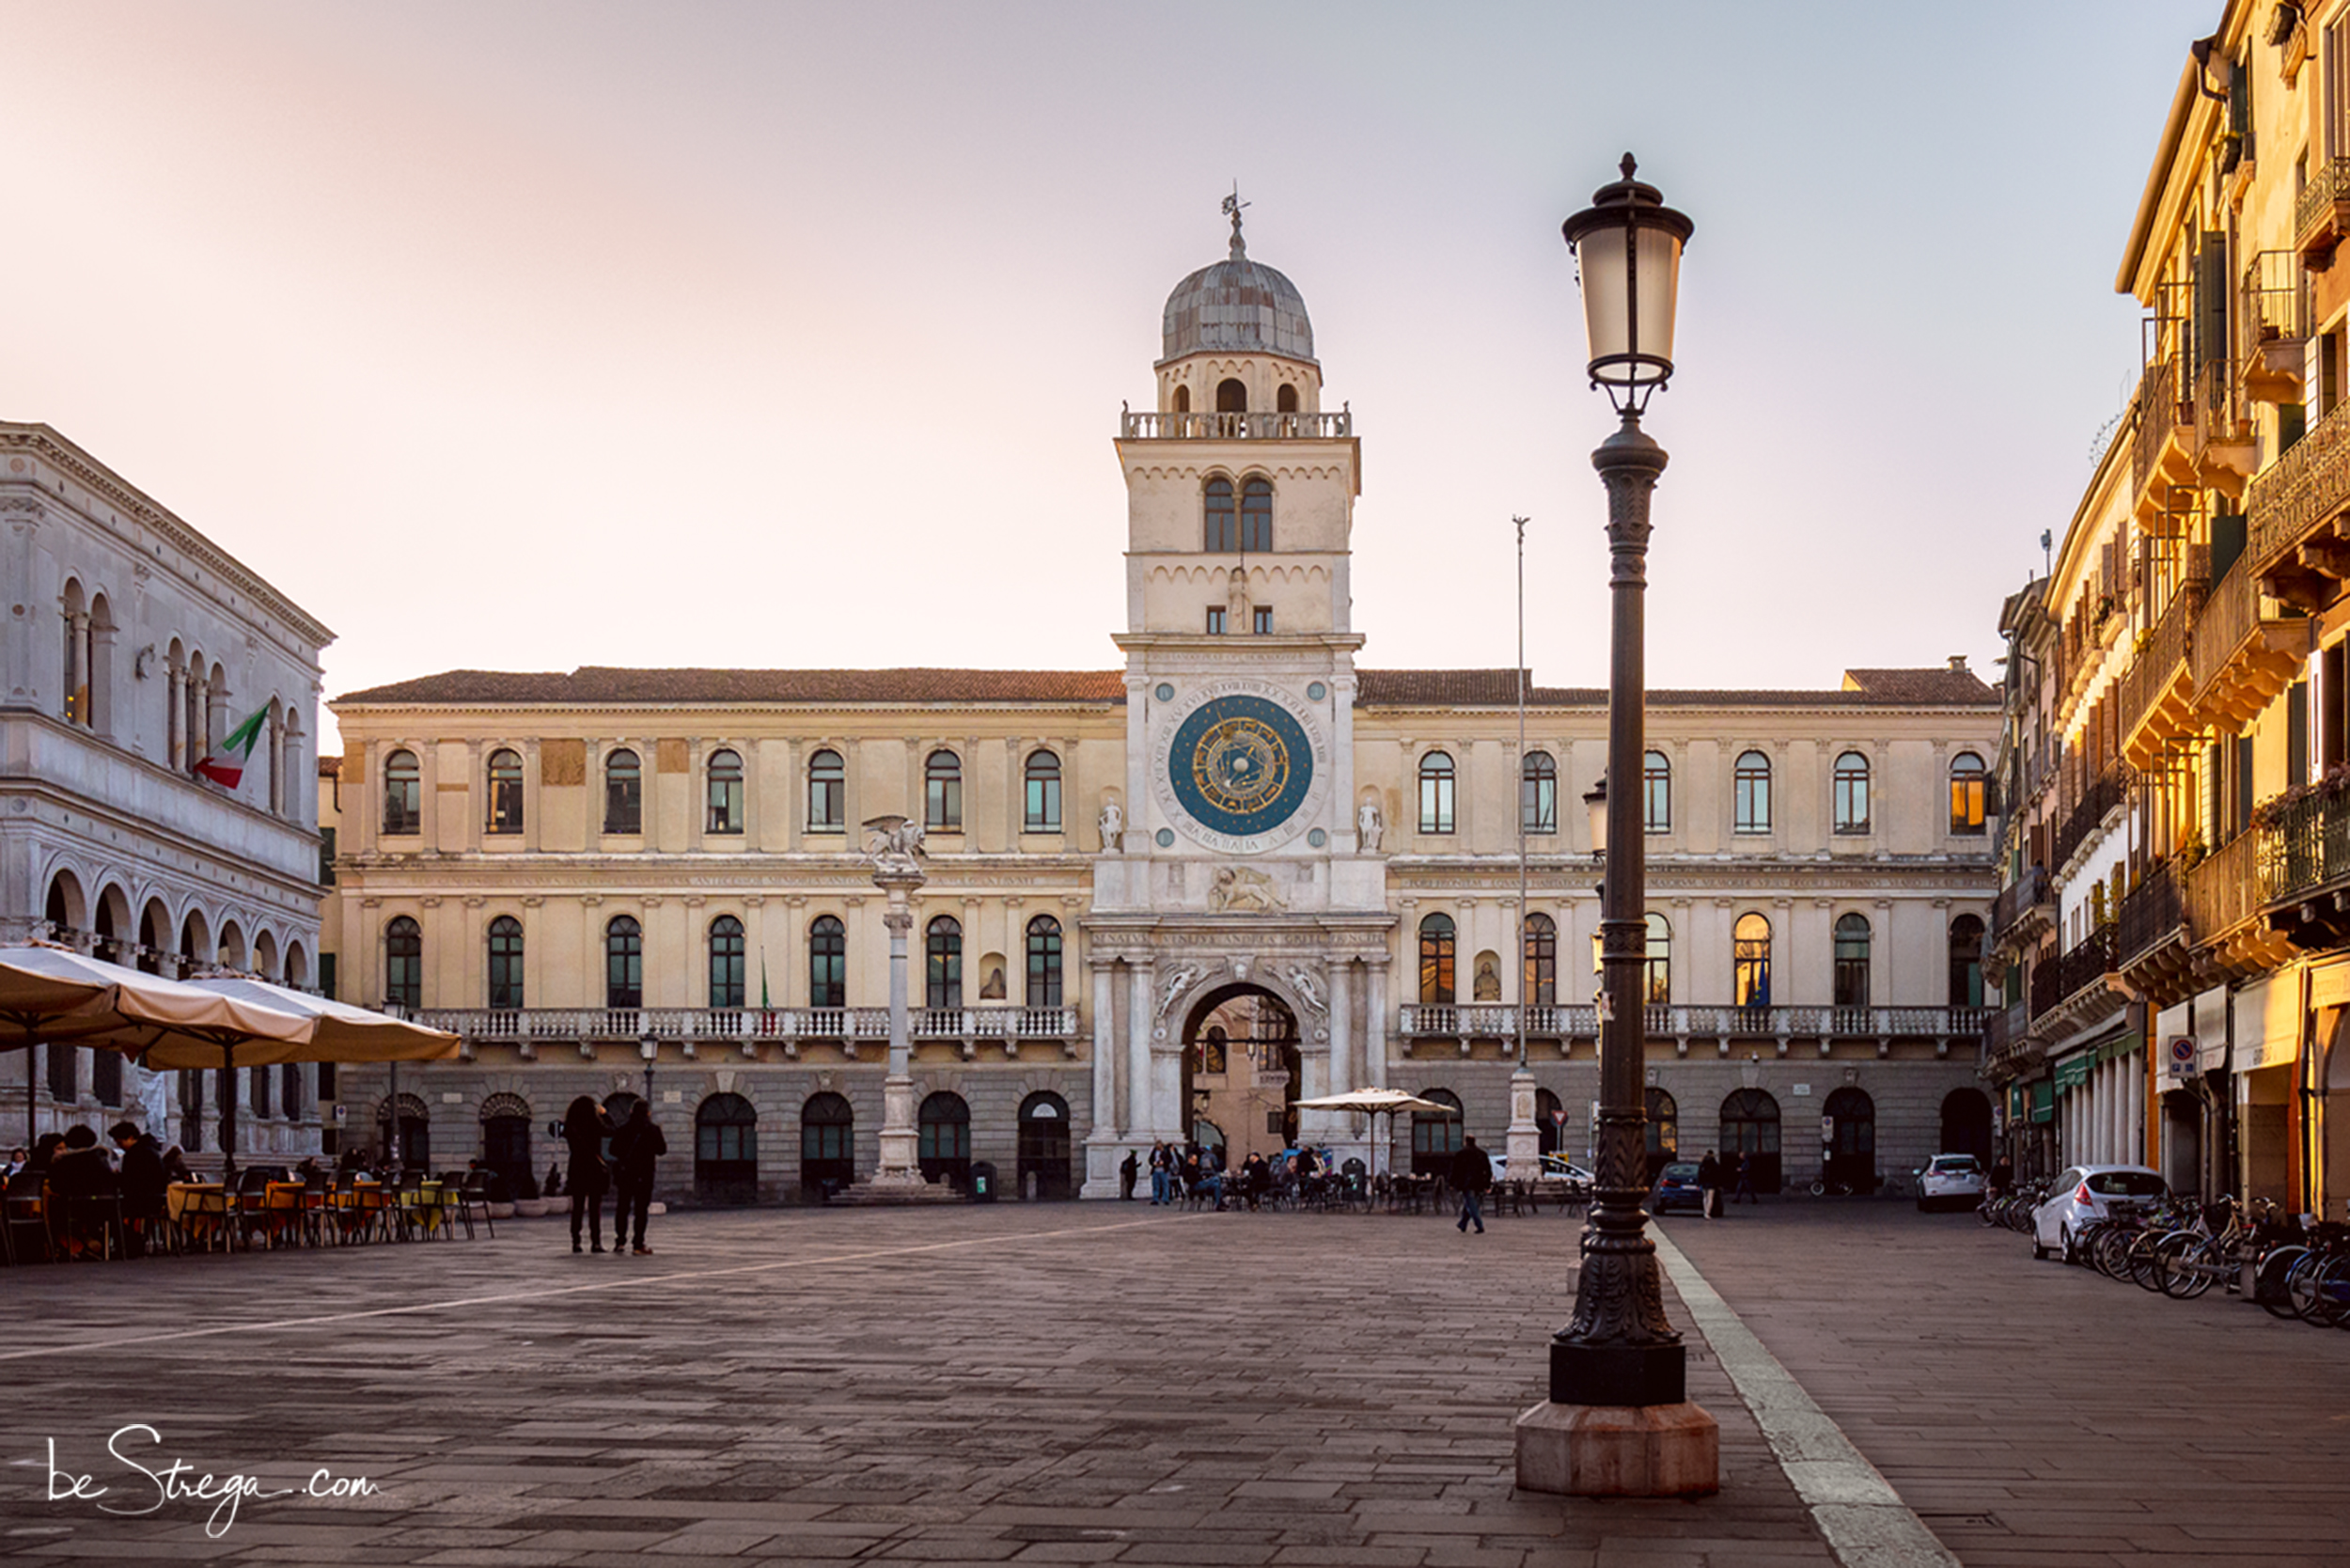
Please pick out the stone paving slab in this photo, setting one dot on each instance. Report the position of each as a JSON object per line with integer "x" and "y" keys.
{"x": 1063, "y": 1383}
{"x": 2035, "y": 1414}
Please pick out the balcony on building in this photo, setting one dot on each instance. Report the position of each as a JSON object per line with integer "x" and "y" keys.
{"x": 752, "y": 1032}
{"x": 2274, "y": 311}
{"x": 1445, "y": 1028}
{"x": 2025, "y": 910}
{"x": 2321, "y": 215}
{"x": 2153, "y": 949}
{"x": 2162, "y": 426}
{"x": 2225, "y": 913}
{"x": 2305, "y": 867}
{"x": 2077, "y": 989}
{"x": 2157, "y": 695}
{"x": 2294, "y": 516}
{"x": 2100, "y": 801}
{"x": 1148, "y": 425}
{"x": 2246, "y": 646}
{"x": 2010, "y": 1049}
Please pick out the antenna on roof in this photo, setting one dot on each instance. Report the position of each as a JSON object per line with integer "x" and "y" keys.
{"x": 2047, "y": 559}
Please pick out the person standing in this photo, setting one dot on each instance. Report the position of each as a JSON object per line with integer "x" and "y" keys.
{"x": 1709, "y": 1186}
{"x": 1745, "y": 1178}
{"x": 584, "y": 1128}
{"x": 1472, "y": 1177}
{"x": 636, "y": 1148}
{"x": 1127, "y": 1169}
{"x": 1162, "y": 1171}
{"x": 144, "y": 1188}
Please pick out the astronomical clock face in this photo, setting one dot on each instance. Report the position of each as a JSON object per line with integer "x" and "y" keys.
{"x": 1240, "y": 765}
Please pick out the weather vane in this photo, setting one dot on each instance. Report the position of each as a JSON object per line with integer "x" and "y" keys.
{"x": 1232, "y": 205}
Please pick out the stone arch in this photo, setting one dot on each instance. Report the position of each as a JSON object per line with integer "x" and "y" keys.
{"x": 265, "y": 955}
{"x": 65, "y": 907}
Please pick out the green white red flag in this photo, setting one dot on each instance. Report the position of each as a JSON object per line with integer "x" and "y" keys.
{"x": 226, "y": 765}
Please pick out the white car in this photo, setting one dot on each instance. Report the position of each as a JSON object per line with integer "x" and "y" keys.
{"x": 1554, "y": 1168}
{"x": 1953, "y": 1180}
{"x": 2086, "y": 1193}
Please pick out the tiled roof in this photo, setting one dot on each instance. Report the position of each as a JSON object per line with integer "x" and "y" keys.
{"x": 1956, "y": 685}
{"x": 1498, "y": 688}
{"x": 603, "y": 685}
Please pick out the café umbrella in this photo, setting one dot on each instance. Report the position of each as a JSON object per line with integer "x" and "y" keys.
{"x": 1377, "y": 1102}
{"x": 51, "y": 993}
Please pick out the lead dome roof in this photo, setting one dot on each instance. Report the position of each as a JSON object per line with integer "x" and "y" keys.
{"x": 1237, "y": 306}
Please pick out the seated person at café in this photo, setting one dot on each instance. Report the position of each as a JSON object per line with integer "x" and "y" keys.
{"x": 176, "y": 1166}
{"x": 143, "y": 1184}
{"x": 19, "y": 1157}
{"x": 79, "y": 1171}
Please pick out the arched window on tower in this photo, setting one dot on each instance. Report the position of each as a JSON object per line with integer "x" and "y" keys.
{"x": 1183, "y": 399}
{"x": 1232, "y": 397}
{"x": 1256, "y": 515}
{"x": 1222, "y": 533}
{"x": 1285, "y": 401}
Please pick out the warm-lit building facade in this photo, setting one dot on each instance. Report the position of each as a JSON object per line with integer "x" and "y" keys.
{"x": 1239, "y": 840}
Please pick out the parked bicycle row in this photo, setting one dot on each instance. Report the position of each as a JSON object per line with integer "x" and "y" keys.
{"x": 2125, "y": 1223}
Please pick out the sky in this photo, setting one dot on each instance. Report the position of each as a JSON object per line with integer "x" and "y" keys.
{"x": 781, "y": 335}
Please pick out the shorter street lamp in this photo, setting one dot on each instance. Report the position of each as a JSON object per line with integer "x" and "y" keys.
{"x": 650, "y": 1049}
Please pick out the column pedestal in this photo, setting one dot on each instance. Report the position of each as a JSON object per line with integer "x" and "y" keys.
{"x": 1526, "y": 1137}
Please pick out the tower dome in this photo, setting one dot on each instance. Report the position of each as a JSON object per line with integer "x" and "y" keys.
{"x": 1237, "y": 306}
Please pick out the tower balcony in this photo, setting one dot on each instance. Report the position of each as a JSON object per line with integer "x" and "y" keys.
{"x": 2298, "y": 546}
{"x": 1144, "y": 425}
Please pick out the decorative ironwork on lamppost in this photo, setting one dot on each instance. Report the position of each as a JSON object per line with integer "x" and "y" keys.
{"x": 1620, "y": 1350}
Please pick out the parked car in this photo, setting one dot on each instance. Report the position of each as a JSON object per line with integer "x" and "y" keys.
{"x": 2084, "y": 1193}
{"x": 1554, "y": 1168}
{"x": 1677, "y": 1188}
{"x": 1951, "y": 1181}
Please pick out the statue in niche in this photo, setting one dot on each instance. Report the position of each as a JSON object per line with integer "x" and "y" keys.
{"x": 1112, "y": 824}
{"x": 992, "y": 989}
{"x": 1367, "y": 826}
{"x": 1488, "y": 979}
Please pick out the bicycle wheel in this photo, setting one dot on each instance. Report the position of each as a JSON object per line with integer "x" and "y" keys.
{"x": 2149, "y": 1258}
{"x": 2109, "y": 1248}
{"x": 2188, "y": 1269}
{"x": 2268, "y": 1286}
{"x": 2301, "y": 1286}
{"x": 2333, "y": 1289}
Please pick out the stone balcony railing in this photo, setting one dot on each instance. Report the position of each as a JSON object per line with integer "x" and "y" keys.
{"x": 1464, "y": 1021}
{"x": 1142, "y": 425}
{"x": 745, "y": 1028}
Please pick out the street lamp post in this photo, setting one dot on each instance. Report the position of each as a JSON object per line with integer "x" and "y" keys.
{"x": 1618, "y": 1422}
{"x": 650, "y": 1048}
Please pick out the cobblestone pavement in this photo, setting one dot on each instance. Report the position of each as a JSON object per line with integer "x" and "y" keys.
{"x": 2036, "y": 1415}
{"x": 1068, "y": 1383}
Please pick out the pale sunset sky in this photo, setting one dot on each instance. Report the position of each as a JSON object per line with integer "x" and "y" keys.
{"x": 527, "y": 336}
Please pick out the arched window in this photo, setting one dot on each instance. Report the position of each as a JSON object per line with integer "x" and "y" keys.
{"x": 827, "y": 793}
{"x": 1285, "y": 399}
{"x": 726, "y": 1149}
{"x": 623, "y": 794}
{"x": 403, "y": 963}
{"x": 403, "y": 794}
{"x": 942, "y": 947}
{"x": 1750, "y": 956}
{"x": 623, "y": 963}
{"x": 1656, "y": 974}
{"x": 1222, "y": 533}
{"x": 1183, "y": 399}
{"x": 1542, "y": 961}
{"x": 1232, "y": 397}
{"x": 1852, "y": 792}
{"x": 1256, "y": 515}
{"x": 1967, "y": 797}
{"x": 1043, "y": 793}
{"x": 727, "y": 980}
{"x": 1435, "y": 958}
{"x": 726, "y": 792}
{"x": 506, "y": 963}
{"x": 1663, "y": 1131}
{"x": 1852, "y": 961}
{"x": 1435, "y": 793}
{"x": 1436, "y": 1135}
{"x": 827, "y": 1129}
{"x": 505, "y": 792}
{"x": 1751, "y": 786}
{"x": 1538, "y": 793}
{"x": 944, "y": 1125}
{"x": 1966, "y": 962}
{"x": 1749, "y": 1127}
{"x": 827, "y": 962}
{"x": 942, "y": 793}
{"x": 1043, "y": 961}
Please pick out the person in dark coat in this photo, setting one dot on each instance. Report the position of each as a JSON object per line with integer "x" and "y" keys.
{"x": 636, "y": 1148}
{"x": 584, "y": 1128}
{"x": 1472, "y": 1178}
{"x": 144, "y": 1184}
{"x": 1709, "y": 1185}
{"x": 1128, "y": 1170}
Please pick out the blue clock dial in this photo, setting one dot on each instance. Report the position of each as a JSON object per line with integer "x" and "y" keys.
{"x": 1241, "y": 765}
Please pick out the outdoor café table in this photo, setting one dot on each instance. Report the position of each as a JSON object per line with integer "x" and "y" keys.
{"x": 425, "y": 1206}
{"x": 360, "y": 1207}
{"x": 281, "y": 1210}
{"x": 199, "y": 1210}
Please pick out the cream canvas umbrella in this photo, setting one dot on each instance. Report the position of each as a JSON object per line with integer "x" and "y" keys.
{"x": 1377, "y": 1102}
{"x": 51, "y": 993}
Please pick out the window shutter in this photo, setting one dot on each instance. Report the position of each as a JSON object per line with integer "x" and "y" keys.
{"x": 2210, "y": 301}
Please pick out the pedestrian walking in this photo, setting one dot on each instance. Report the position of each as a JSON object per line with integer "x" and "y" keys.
{"x": 636, "y": 1148}
{"x": 1472, "y": 1177}
{"x": 1127, "y": 1171}
{"x": 1709, "y": 1186}
{"x": 1745, "y": 1178}
{"x": 584, "y": 1128}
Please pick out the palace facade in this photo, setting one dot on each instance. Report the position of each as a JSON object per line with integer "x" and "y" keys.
{"x": 1167, "y": 898}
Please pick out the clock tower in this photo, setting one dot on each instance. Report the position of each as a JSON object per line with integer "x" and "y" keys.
{"x": 1242, "y": 859}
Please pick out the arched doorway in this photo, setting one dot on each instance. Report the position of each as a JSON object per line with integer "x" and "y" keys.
{"x": 944, "y": 1123}
{"x": 1241, "y": 1072}
{"x": 506, "y": 1138}
{"x": 726, "y": 1151}
{"x": 827, "y": 1132}
{"x": 1045, "y": 1146}
{"x": 1663, "y": 1132}
{"x": 1966, "y": 1124}
{"x": 416, "y": 1133}
{"x": 1750, "y": 1127}
{"x": 1848, "y": 1140}
{"x": 1436, "y": 1136}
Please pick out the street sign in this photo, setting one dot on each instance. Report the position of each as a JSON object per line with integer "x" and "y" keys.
{"x": 1827, "y": 1129}
{"x": 2182, "y": 1057}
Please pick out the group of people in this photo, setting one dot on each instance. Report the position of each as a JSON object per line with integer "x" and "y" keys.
{"x": 636, "y": 1144}
{"x": 74, "y": 1165}
{"x": 1733, "y": 1170}
{"x": 1198, "y": 1170}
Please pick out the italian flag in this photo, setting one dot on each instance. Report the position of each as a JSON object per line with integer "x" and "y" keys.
{"x": 226, "y": 765}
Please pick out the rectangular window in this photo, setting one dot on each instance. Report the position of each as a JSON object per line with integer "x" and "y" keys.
{"x": 1262, "y": 619}
{"x": 2297, "y": 736}
{"x": 1656, "y": 794}
{"x": 1043, "y": 801}
{"x": 326, "y": 857}
{"x": 326, "y": 975}
{"x": 1215, "y": 621}
{"x": 1537, "y": 802}
{"x": 65, "y": 1075}
{"x": 1435, "y": 801}
{"x": 326, "y": 1080}
{"x": 260, "y": 1090}
{"x": 106, "y": 1076}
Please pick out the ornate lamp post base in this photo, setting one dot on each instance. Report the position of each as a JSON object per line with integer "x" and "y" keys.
{"x": 1615, "y": 1450}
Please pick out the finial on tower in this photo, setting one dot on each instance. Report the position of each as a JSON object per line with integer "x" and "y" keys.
{"x": 1629, "y": 166}
{"x": 1232, "y": 205}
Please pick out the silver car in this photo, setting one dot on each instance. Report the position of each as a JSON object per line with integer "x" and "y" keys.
{"x": 1950, "y": 1181}
{"x": 2086, "y": 1192}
